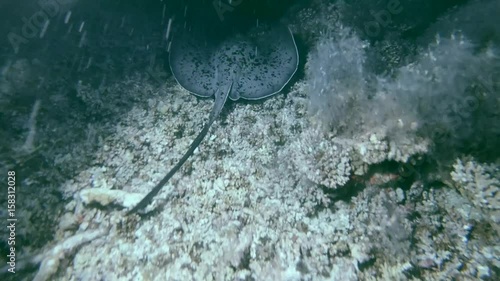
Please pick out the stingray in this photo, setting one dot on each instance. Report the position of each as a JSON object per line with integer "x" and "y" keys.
{"x": 252, "y": 66}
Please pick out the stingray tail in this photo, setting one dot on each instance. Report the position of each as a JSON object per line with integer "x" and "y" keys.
{"x": 220, "y": 100}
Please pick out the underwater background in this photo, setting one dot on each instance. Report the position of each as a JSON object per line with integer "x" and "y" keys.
{"x": 379, "y": 160}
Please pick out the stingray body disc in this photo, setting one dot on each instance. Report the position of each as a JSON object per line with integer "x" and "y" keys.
{"x": 257, "y": 64}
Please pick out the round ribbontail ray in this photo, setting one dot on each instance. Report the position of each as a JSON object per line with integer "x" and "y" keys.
{"x": 260, "y": 63}
{"x": 252, "y": 66}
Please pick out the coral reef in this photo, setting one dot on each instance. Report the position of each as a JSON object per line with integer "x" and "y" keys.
{"x": 480, "y": 184}
{"x": 303, "y": 186}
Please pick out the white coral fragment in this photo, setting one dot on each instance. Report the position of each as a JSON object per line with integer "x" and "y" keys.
{"x": 105, "y": 197}
{"x": 479, "y": 181}
{"x": 480, "y": 184}
{"x": 51, "y": 259}
{"x": 322, "y": 161}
